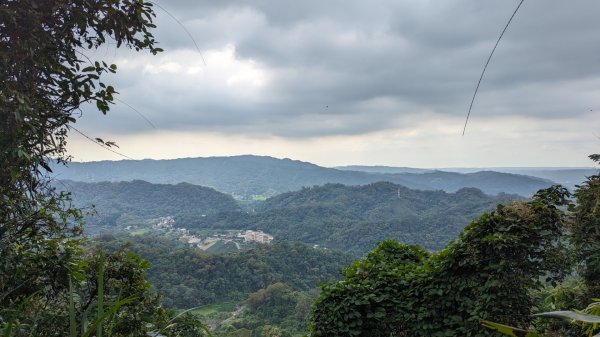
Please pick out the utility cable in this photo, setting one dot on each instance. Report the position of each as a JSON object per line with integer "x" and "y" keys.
{"x": 487, "y": 63}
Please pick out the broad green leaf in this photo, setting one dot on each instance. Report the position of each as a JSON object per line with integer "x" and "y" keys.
{"x": 580, "y": 317}
{"x": 508, "y": 330}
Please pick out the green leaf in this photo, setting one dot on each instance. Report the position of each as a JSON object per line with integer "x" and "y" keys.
{"x": 508, "y": 330}
{"x": 100, "y": 292}
{"x": 72, "y": 322}
{"x": 13, "y": 319}
{"x": 97, "y": 324}
{"x": 580, "y": 317}
{"x": 595, "y": 157}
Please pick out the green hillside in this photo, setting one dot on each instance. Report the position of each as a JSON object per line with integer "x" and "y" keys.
{"x": 136, "y": 202}
{"x": 189, "y": 277}
{"x": 355, "y": 218}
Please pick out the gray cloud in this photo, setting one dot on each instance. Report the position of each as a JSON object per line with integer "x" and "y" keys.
{"x": 353, "y": 67}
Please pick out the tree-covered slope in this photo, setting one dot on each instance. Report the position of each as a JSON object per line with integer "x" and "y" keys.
{"x": 487, "y": 274}
{"x": 122, "y": 202}
{"x": 355, "y": 218}
{"x": 569, "y": 177}
{"x": 189, "y": 277}
{"x": 246, "y": 176}
{"x": 488, "y": 181}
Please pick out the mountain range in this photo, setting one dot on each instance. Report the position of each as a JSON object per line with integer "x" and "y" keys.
{"x": 566, "y": 176}
{"x": 348, "y": 218}
{"x": 247, "y": 176}
{"x": 355, "y": 218}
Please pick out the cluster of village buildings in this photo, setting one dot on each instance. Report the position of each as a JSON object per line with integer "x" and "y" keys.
{"x": 204, "y": 243}
{"x": 164, "y": 223}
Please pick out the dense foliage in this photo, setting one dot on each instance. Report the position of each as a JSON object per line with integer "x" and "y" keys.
{"x": 355, "y": 218}
{"x": 277, "y": 310}
{"x": 49, "y": 285}
{"x": 487, "y": 274}
{"x": 583, "y": 286}
{"x": 189, "y": 277}
{"x": 585, "y": 233}
{"x": 123, "y": 279}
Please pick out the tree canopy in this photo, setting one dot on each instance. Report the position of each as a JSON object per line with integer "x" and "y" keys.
{"x": 487, "y": 274}
{"x": 46, "y": 77}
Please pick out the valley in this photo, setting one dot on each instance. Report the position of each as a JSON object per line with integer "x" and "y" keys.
{"x": 297, "y": 169}
{"x": 248, "y": 262}
{"x": 334, "y": 216}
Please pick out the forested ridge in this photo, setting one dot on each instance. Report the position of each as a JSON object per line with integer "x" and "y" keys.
{"x": 349, "y": 218}
{"x": 137, "y": 202}
{"x": 521, "y": 258}
{"x": 355, "y": 218}
{"x": 515, "y": 256}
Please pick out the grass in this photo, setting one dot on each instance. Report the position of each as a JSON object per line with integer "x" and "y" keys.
{"x": 221, "y": 247}
{"x": 214, "y": 308}
{"x": 141, "y": 231}
{"x": 259, "y": 198}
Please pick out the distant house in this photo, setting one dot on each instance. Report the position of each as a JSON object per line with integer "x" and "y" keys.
{"x": 257, "y": 236}
{"x": 191, "y": 239}
{"x": 164, "y": 223}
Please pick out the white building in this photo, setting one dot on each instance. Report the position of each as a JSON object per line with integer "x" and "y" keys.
{"x": 257, "y": 236}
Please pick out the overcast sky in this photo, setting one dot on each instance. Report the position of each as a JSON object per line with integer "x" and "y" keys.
{"x": 380, "y": 82}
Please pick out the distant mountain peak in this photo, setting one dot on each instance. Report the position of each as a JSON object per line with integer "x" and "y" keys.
{"x": 247, "y": 176}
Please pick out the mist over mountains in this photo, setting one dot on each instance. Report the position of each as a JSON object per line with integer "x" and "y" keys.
{"x": 566, "y": 176}
{"x": 247, "y": 176}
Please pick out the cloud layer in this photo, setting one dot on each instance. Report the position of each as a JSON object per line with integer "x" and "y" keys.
{"x": 314, "y": 72}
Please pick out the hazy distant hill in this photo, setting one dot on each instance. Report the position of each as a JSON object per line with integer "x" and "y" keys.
{"x": 382, "y": 169}
{"x": 253, "y": 175}
{"x": 135, "y": 202}
{"x": 355, "y": 218}
{"x": 566, "y": 176}
{"x": 488, "y": 181}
